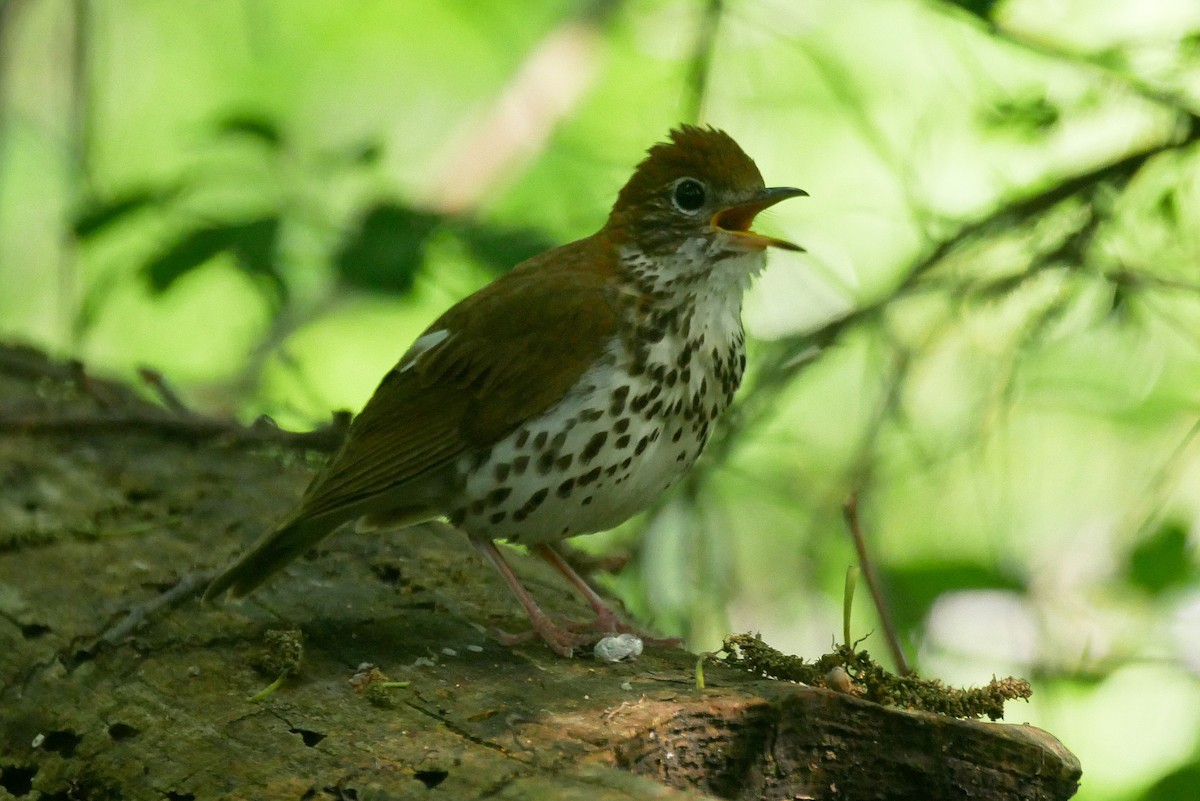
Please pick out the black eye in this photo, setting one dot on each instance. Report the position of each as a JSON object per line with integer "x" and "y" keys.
{"x": 688, "y": 195}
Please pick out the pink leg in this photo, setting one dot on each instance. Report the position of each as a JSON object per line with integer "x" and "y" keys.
{"x": 560, "y": 641}
{"x": 606, "y": 620}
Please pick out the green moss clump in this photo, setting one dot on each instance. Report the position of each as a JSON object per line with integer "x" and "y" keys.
{"x": 873, "y": 682}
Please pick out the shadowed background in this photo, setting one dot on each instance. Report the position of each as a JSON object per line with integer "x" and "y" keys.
{"x": 992, "y": 339}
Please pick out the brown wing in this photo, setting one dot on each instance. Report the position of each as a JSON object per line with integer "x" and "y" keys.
{"x": 513, "y": 350}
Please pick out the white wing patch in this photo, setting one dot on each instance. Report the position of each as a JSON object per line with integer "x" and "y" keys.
{"x": 423, "y": 344}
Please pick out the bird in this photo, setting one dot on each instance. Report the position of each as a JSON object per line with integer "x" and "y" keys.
{"x": 567, "y": 395}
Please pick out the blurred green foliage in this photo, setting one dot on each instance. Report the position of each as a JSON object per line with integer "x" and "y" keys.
{"x": 992, "y": 340}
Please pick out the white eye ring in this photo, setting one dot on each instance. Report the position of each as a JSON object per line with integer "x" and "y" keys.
{"x": 688, "y": 195}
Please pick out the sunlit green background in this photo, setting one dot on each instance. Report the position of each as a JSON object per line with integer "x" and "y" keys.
{"x": 994, "y": 338}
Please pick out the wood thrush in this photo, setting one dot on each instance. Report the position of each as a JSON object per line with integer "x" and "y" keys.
{"x": 568, "y": 394}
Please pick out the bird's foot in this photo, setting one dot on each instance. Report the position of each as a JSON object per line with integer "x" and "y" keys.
{"x": 564, "y": 637}
{"x": 560, "y": 640}
{"x": 606, "y": 623}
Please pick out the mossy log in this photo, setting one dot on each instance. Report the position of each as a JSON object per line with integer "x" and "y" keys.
{"x": 97, "y": 517}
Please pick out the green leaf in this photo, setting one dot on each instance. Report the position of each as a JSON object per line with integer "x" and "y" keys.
{"x": 1027, "y": 116}
{"x": 385, "y": 251}
{"x": 100, "y": 214}
{"x": 253, "y": 243}
{"x": 501, "y": 249}
{"x": 253, "y": 126}
{"x": 1162, "y": 562}
{"x": 979, "y": 8}
{"x": 912, "y": 590}
{"x": 365, "y": 154}
{"x": 256, "y": 245}
{"x": 1179, "y": 785}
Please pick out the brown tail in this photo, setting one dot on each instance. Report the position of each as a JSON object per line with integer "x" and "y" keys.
{"x": 270, "y": 555}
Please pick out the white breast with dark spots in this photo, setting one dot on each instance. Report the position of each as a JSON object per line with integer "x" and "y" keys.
{"x": 628, "y": 430}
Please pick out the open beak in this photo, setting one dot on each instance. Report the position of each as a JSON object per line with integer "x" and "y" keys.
{"x": 736, "y": 220}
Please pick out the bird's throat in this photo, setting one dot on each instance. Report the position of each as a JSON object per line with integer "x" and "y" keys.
{"x": 700, "y": 266}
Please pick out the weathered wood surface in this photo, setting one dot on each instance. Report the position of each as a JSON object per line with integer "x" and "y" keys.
{"x": 94, "y": 519}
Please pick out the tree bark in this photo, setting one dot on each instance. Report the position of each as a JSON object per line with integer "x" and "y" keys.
{"x": 96, "y": 518}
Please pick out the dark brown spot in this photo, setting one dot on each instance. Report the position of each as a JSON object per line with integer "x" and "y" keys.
{"x": 564, "y": 462}
{"x": 590, "y": 415}
{"x": 535, "y": 500}
{"x": 564, "y": 489}
{"x": 586, "y": 500}
{"x": 519, "y": 464}
{"x": 479, "y": 458}
{"x": 670, "y": 378}
{"x": 498, "y": 495}
{"x": 622, "y": 441}
{"x": 559, "y": 440}
{"x": 618, "y": 400}
{"x": 593, "y": 447}
{"x": 546, "y": 461}
{"x": 522, "y": 437}
{"x": 654, "y": 332}
{"x": 636, "y": 367}
{"x": 621, "y": 425}
{"x": 589, "y": 476}
{"x": 498, "y": 517}
{"x": 641, "y": 446}
{"x": 678, "y": 433}
{"x": 610, "y": 470}
{"x": 501, "y": 471}
{"x": 539, "y": 441}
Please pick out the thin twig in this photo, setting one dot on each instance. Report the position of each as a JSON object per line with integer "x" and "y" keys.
{"x": 700, "y": 62}
{"x": 158, "y": 382}
{"x": 1100, "y": 62}
{"x": 850, "y": 512}
{"x": 191, "y": 428}
{"x": 29, "y": 363}
{"x": 187, "y": 587}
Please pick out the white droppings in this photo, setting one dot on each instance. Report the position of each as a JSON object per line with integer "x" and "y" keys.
{"x": 616, "y": 648}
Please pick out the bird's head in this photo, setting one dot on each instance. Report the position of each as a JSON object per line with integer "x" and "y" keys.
{"x": 698, "y": 191}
